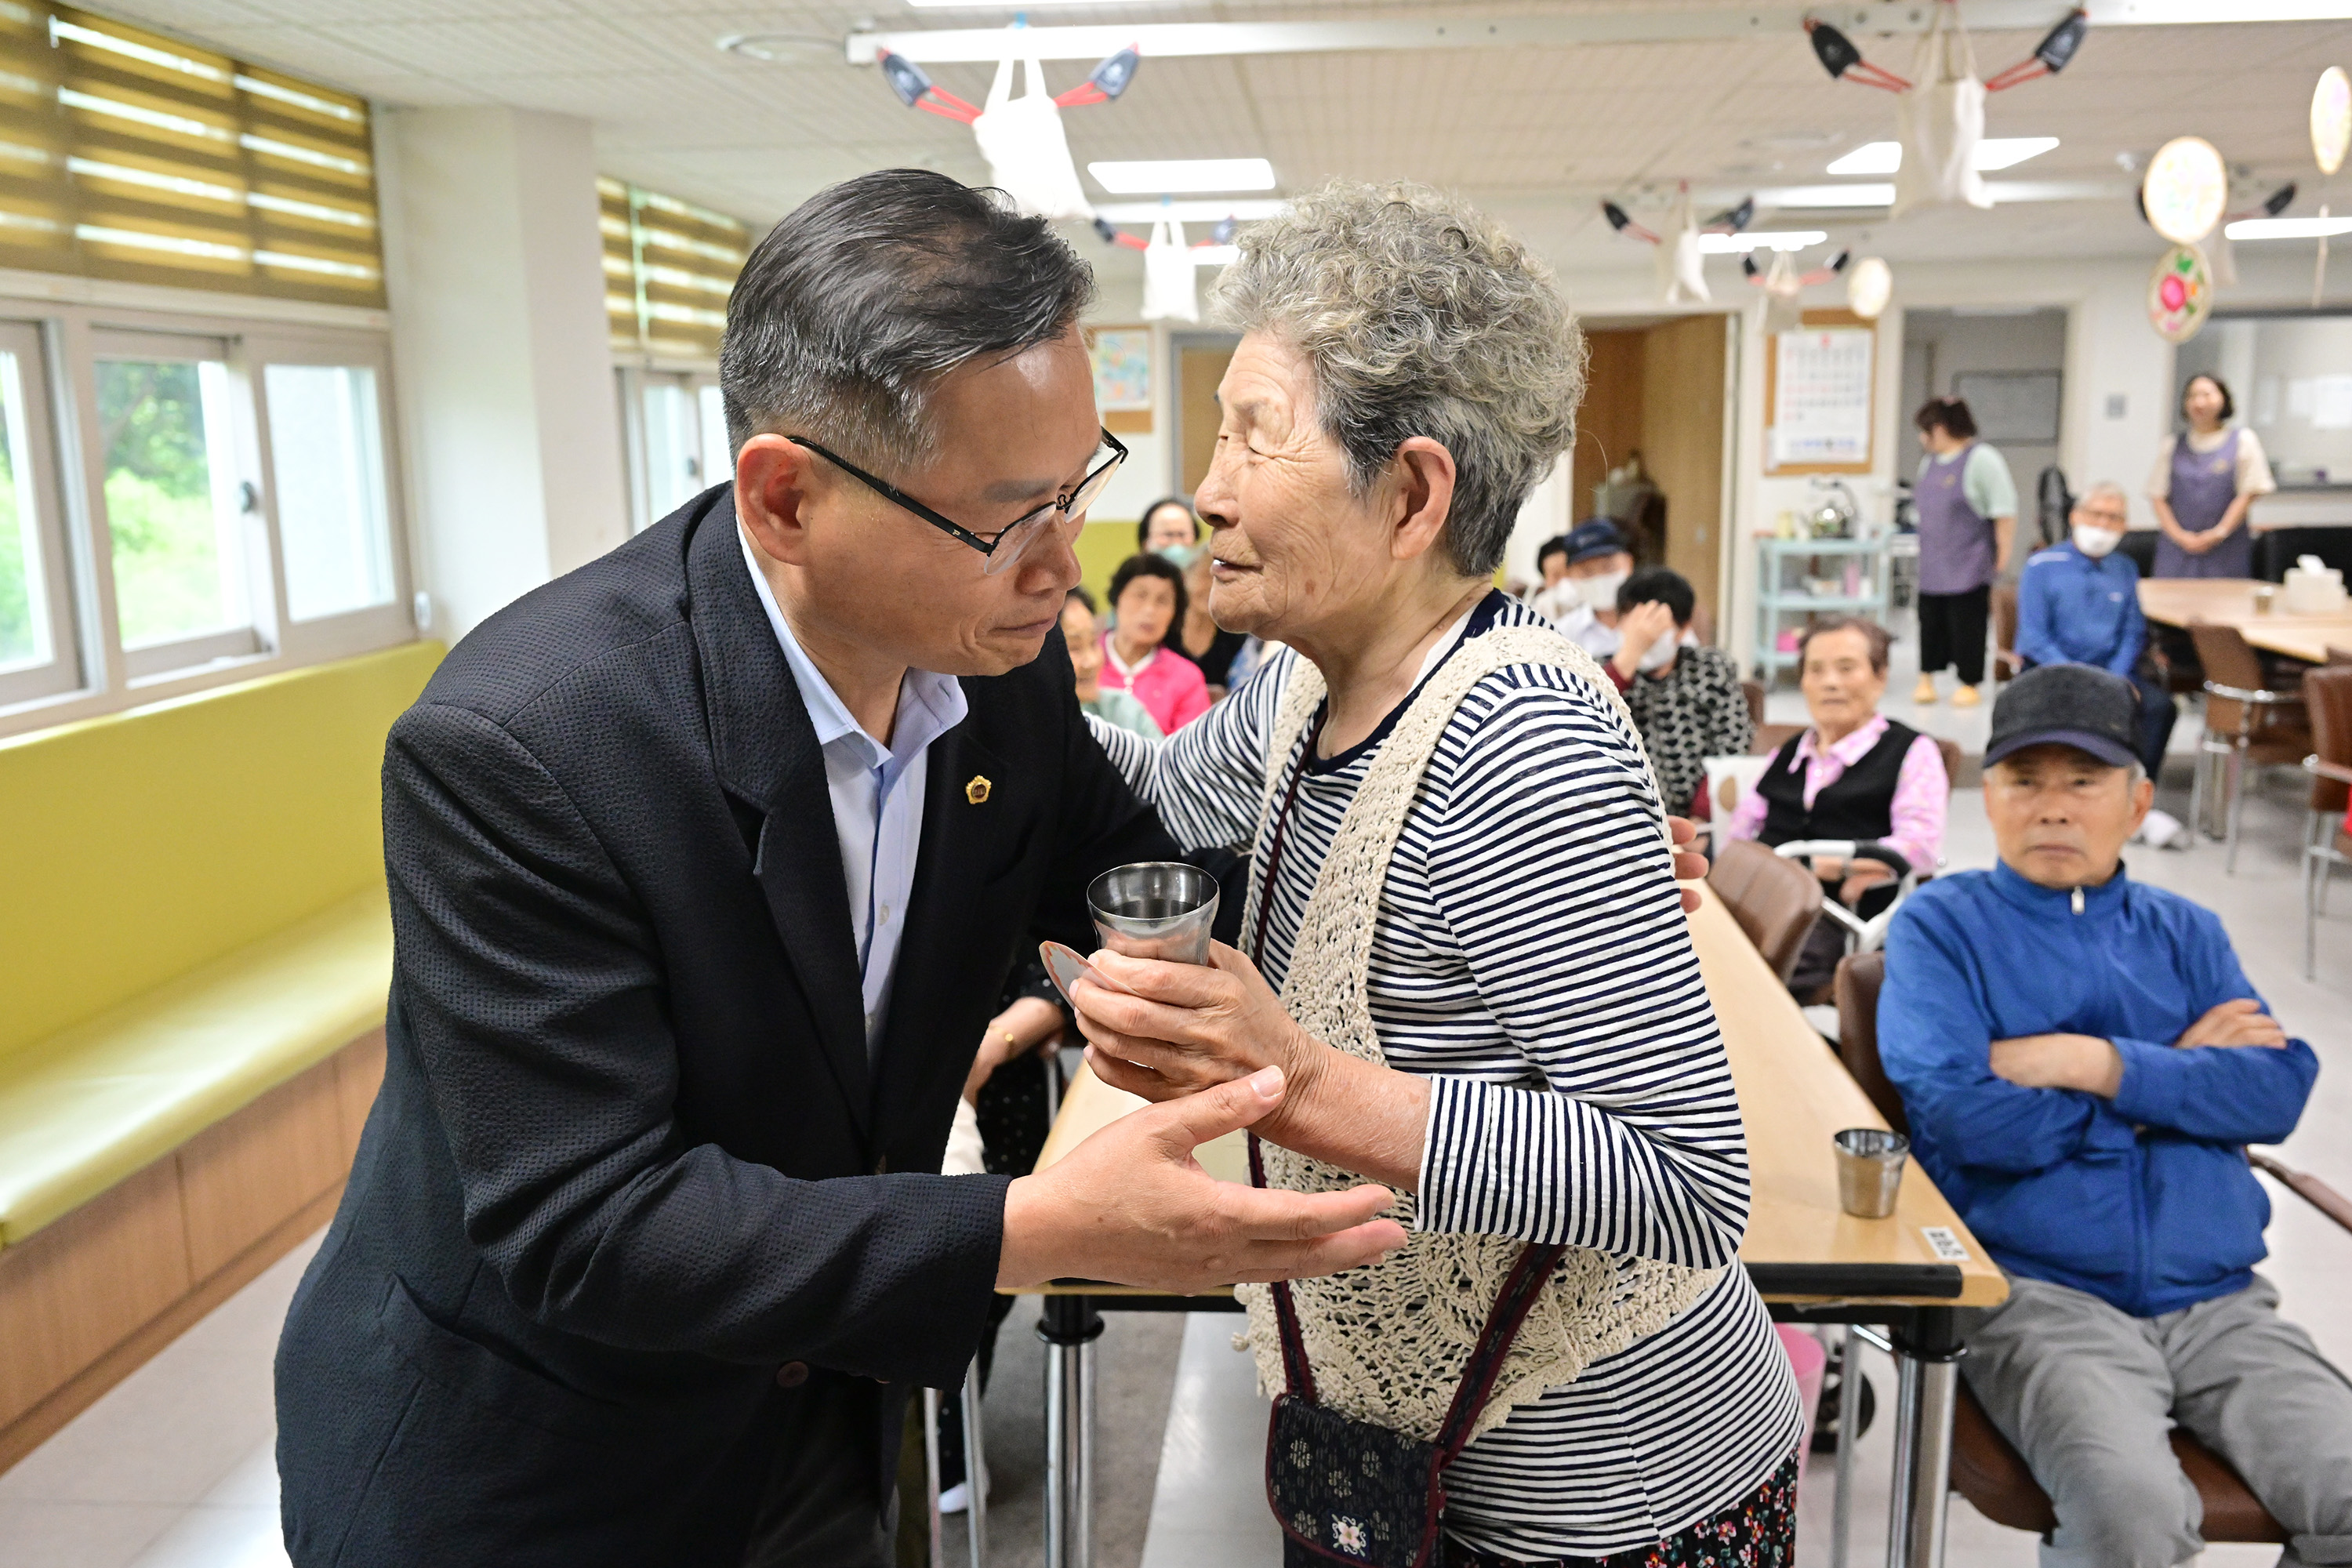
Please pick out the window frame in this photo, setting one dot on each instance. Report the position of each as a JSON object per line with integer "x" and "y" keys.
{"x": 79, "y": 322}
{"x": 632, "y": 382}
{"x": 60, "y": 673}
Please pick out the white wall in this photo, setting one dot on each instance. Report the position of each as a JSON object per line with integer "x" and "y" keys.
{"x": 495, "y": 269}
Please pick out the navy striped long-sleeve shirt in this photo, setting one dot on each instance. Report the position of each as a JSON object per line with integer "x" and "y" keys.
{"x": 1529, "y": 938}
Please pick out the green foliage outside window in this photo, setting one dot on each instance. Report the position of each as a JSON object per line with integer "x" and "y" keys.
{"x": 15, "y": 603}
{"x": 168, "y": 579}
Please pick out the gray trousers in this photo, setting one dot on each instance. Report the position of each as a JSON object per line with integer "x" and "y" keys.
{"x": 2089, "y": 1394}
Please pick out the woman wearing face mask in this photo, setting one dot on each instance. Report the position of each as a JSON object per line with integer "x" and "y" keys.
{"x": 1147, "y": 594}
{"x": 2078, "y": 602}
{"x": 1685, "y": 696}
{"x": 1198, "y": 637}
{"x": 2203, "y": 485}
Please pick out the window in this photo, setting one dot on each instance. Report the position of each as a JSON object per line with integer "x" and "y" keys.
{"x": 676, "y": 438}
{"x": 326, "y": 447}
{"x": 718, "y": 458}
{"x": 37, "y": 656}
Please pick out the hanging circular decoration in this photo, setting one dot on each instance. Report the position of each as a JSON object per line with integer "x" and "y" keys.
{"x": 2180, "y": 294}
{"x": 1869, "y": 287}
{"x": 2185, "y": 189}
{"x": 2331, "y": 119}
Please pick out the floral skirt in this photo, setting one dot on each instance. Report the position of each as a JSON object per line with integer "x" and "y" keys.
{"x": 1759, "y": 1530}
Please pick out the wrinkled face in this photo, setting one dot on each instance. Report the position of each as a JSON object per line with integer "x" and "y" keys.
{"x": 1010, "y": 435}
{"x": 1086, "y": 647}
{"x": 1842, "y": 692}
{"x": 1168, "y": 525}
{"x": 2061, "y": 816}
{"x": 1145, "y": 607}
{"x": 2202, "y": 403}
{"x": 1294, "y": 550}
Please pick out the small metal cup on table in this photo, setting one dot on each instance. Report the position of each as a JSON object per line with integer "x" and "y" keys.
{"x": 1870, "y": 1170}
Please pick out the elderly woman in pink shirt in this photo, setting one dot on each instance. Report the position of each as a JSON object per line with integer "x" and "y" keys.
{"x": 1855, "y": 774}
{"x": 1147, "y": 594}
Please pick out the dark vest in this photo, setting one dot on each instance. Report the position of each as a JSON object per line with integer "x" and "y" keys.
{"x": 1859, "y": 804}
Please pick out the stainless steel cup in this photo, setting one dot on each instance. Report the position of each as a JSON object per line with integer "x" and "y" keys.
{"x": 1870, "y": 1170}
{"x": 1161, "y": 909}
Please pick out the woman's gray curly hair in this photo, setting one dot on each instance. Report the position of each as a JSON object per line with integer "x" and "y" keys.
{"x": 1420, "y": 317}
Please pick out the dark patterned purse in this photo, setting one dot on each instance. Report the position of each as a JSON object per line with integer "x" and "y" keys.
{"x": 1348, "y": 1491}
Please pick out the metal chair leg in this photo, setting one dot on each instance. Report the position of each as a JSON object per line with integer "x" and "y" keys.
{"x": 975, "y": 1467}
{"x": 2237, "y": 806}
{"x": 2312, "y": 874}
{"x": 932, "y": 1474}
{"x": 2197, "y": 794}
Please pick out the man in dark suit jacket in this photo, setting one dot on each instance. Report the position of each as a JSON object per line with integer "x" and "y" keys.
{"x": 708, "y": 862}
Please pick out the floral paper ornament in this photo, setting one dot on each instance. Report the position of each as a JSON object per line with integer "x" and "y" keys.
{"x": 2331, "y": 119}
{"x": 2185, "y": 189}
{"x": 2180, "y": 294}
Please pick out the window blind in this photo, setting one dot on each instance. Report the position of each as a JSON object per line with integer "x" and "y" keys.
{"x": 668, "y": 268}
{"x": 127, "y": 154}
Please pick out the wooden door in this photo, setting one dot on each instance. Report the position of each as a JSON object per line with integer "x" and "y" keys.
{"x": 1609, "y": 421}
{"x": 1683, "y": 436}
{"x": 1200, "y": 366}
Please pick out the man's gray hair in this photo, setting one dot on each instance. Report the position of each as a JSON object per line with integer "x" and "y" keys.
{"x": 1420, "y": 316}
{"x": 868, "y": 292}
{"x": 2105, "y": 487}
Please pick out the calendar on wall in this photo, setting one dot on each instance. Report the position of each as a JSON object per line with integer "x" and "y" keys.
{"x": 1819, "y": 394}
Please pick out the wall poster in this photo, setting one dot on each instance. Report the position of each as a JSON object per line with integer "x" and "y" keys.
{"x": 1820, "y": 397}
{"x": 1122, "y": 364}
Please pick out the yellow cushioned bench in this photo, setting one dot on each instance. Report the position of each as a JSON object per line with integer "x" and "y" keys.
{"x": 195, "y": 951}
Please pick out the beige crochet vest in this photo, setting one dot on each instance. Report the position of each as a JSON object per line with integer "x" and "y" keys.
{"x": 1388, "y": 1342}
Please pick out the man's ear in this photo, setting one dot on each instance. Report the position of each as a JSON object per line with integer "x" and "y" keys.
{"x": 774, "y": 483}
{"x": 2143, "y": 796}
{"x": 1423, "y": 475}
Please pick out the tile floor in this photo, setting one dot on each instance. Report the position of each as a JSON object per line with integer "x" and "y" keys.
{"x": 173, "y": 1468}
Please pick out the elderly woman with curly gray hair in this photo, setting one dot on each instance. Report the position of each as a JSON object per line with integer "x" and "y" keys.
{"x": 1464, "y": 946}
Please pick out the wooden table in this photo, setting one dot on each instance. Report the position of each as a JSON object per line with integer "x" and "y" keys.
{"x": 1811, "y": 1262}
{"x": 2230, "y": 602}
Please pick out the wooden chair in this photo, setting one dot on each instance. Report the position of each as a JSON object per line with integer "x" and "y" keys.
{"x": 1776, "y": 901}
{"x": 1754, "y": 691}
{"x": 2005, "y": 660}
{"x": 1987, "y": 1469}
{"x": 2245, "y": 722}
{"x": 2327, "y": 698}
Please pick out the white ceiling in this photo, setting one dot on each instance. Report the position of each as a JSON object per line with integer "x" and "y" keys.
{"x": 1535, "y": 134}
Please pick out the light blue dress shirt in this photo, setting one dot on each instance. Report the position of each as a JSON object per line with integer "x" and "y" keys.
{"x": 878, "y": 797}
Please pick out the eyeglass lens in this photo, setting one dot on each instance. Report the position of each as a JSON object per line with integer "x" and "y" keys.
{"x": 1018, "y": 539}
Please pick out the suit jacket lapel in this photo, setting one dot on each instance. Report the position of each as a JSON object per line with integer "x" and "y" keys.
{"x": 766, "y": 752}
{"x": 950, "y": 949}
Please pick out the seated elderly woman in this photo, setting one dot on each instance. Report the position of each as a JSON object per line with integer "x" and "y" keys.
{"x": 1147, "y": 596}
{"x": 1854, "y": 774}
{"x": 1466, "y": 947}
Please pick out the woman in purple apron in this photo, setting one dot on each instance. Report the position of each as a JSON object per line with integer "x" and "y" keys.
{"x": 1967, "y": 515}
{"x": 2202, "y": 486}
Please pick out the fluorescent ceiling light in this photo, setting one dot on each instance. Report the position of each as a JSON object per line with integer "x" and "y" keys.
{"x": 1153, "y": 176}
{"x": 1993, "y": 152}
{"x": 2288, "y": 227}
{"x": 1859, "y": 195}
{"x": 993, "y": 5}
{"x": 1189, "y": 211}
{"x": 1741, "y": 244}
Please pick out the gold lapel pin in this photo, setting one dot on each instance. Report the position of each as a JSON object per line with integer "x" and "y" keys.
{"x": 977, "y": 790}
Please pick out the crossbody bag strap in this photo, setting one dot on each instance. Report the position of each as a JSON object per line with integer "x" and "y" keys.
{"x": 1295, "y": 1371}
{"x": 1524, "y": 1283}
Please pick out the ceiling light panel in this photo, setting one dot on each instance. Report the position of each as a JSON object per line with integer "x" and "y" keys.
{"x": 1150, "y": 177}
{"x": 2288, "y": 227}
{"x": 1993, "y": 152}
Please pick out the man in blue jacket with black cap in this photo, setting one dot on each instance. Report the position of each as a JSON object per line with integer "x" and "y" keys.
{"x": 2083, "y": 1063}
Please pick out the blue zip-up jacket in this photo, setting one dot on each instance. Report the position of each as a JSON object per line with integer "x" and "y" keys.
{"x": 2144, "y": 1201}
{"x": 2071, "y": 609}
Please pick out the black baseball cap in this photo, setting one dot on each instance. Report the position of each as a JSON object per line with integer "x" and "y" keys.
{"x": 1595, "y": 536}
{"x": 2074, "y": 705}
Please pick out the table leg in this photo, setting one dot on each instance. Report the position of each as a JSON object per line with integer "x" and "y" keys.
{"x": 1849, "y": 1435}
{"x": 1070, "y": 1329}
{"x": 1926, "y": 1365}
{"x": 931, "y": 1473}
{"x": 975, "y": 1469}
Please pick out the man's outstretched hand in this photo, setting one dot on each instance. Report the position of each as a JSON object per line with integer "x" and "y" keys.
{"x": 1131, "y": 1206}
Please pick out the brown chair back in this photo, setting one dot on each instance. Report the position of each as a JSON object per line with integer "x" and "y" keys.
{"x": 2004, "y": 631}
{"x": 2339, "y": 655}
{"x": 1859, "y": 976}
{"x": 2327, "y": 695}
{"x": 1754, "y": 691}
{"x": 1770, "y": 737}
{"x": 2229, "y": 660}
{"x": 1776, "y": 901}
{"x": 1952, "y": 759}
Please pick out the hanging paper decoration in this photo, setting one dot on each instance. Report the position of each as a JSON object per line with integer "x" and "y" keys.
{"x": 2331, "y": 119}
{"x": 1940, "y": 119}
{"x": 1869, "y": 287}
{"x": 2185, "y": 189}
{"x": 2180, "y": 294}
{"x": 1784, "y": 287}
{"x": 1169, "y": 290}
{"x": 1682, "y": 272}
{"x": 1028, "y": 152}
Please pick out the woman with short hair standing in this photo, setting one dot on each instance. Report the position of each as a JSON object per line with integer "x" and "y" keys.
{"x": 2203, "y": 485}
{"x": 1967, "y": 518}
{"x": 1460, "y": 884}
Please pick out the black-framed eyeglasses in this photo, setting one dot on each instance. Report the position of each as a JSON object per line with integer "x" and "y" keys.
{"x": 1006, "y": 545}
